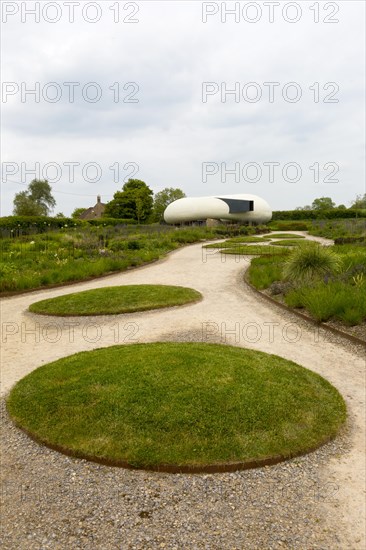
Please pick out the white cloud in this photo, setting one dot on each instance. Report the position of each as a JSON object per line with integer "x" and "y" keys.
{"x": 171, "y": 132}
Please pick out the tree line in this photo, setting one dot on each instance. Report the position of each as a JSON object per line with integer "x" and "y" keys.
{"x": 326, "y": 203}
{"x": 137, "y": 202}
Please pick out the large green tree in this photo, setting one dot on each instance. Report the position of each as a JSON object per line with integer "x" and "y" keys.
{"x": 323, "y": 203}
{"x": 24, "y": 206}
{"x": 162, "y": 199}
{"x": 77, "y": 212}
{"x": 134, "y": 202}
{"x": 37, "y": 200}
{"x": 360, "y": 202}
{"x": 306, "y": 207}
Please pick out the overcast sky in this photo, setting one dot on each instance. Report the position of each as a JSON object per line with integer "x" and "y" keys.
{"x": 164, "y": 114}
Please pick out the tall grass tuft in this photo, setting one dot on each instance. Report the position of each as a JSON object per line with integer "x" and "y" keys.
{"x": 310, "y": 263}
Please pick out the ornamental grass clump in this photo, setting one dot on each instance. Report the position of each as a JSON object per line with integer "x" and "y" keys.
{"x": 311, "y": 263}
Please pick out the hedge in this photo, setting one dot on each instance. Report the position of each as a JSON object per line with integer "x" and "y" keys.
{"x": 40, "y": 224}
{"x": 289, "y": 225}
{"x": 349, "y": 240}
{"x": 334, "y": 213}
{"x": 110, "y": 221}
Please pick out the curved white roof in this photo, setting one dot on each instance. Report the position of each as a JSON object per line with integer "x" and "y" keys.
{"x": 240, "y": 207}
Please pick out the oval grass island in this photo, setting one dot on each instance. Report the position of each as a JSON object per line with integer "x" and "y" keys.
{"x": 114, "y": 300}
{"x": 177, "y": 407}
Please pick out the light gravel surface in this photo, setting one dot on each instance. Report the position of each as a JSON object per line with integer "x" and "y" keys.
{"x": 52, "y": 501}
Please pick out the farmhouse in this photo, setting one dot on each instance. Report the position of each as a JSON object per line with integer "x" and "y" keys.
{"x": 94, "y": 211}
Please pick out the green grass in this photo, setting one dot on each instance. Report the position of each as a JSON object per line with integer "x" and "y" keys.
{"x": 253, "y": 250}
{"x": 283, "y": 236}
{"x": 234, "y": 241}
{"x": 116, "y": 299}
{"x": 334, "y": 300}
{"x": 76, "y": 254}
{"x": 224, "y": 244}
{"x": 333, "y": 229}
{"x": 265, "y": 270}
{"x": 185, "y": 404}
{"x": 353, "y": 259}
{"x": 292, "y": 242}
{"x": 249, "y": 239}
{"x": 308, "y": 263}
{"x": 329, "y": 282}
{"x": 289, "y": 225}
{"x": 43, "y": 260}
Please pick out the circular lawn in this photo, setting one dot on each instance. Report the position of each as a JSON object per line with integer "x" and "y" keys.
{"x": 116, "y": 299}
{"x": 177, "y": 407}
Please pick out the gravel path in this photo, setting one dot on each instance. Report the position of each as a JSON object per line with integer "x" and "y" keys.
{"x": 52, "y": 501}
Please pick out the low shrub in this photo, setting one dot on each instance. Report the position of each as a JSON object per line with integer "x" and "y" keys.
{"x": 350, "y": 240}
{"x": 339, "y": 229}
{"x": 36, "y": 224}
{"x": 116, "y": 245}
{"x": 48, "y": 256}
{"x": 280, "y": 287}
{"x": 338, "y": 293}
{"x": 264, "y": 271}
{"x": 323, "y": 303}
{"x": 334, "y": 300}
{"x": 290, "y": 226}
{"x": 353, "y": 263}
{"x": 333, "y": 213}
{"x": 134, "y": 245}
{"x": 351, "y": 316}
{"x": 294, "y": 298}
{"x": 110, "y": 221}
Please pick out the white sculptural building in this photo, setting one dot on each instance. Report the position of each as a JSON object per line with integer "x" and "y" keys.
{"x": 242, "y": 208}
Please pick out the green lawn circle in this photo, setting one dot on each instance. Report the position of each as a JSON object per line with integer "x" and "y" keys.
{"x": 283, "y": 236}
{"x": 116, "y": 299}
{"x": 292, "y": 242}
{"x": 177, "y": 407}
{"x": 254, "y": 250}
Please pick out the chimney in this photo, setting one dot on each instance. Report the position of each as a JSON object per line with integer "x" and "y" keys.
{"x": 98, "y": 198}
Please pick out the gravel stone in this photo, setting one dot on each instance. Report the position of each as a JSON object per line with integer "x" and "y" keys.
{"x": 53, "y": 501}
